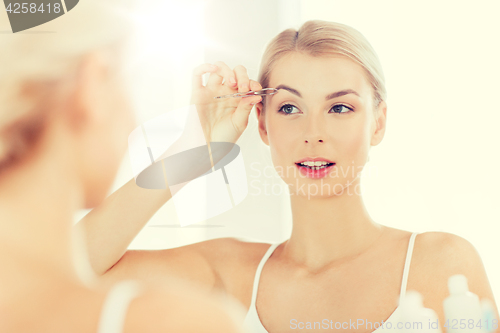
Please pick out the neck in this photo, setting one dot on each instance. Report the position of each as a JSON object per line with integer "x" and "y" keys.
{"x": 329, "y": 229}
{"x": 37, "y": 201}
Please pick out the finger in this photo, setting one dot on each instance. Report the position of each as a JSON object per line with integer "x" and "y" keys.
{"x": 198, "y": 74}
{"x": 255, "y": 86}
{"x": 242, "y": 78}
{"x": 240, "y": 116}
{"x": 225, "y": 73}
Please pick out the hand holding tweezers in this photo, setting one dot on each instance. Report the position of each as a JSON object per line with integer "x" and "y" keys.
{"x": 263, "y": 92}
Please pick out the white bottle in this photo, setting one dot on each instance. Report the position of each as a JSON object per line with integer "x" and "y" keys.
{"x": 414, "y": 317}
{"x": 490, "y": 321}
{"x": 462, "y": 309}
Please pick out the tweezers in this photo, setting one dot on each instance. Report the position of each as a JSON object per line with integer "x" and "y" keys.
{"x": 263, "y": 92}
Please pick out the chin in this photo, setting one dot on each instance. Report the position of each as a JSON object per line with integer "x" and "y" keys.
{"x": 96, "y": 192}
{"x": 93, "y": 201}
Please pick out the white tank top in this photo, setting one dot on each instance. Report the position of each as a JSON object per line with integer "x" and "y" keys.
{"x": 116, "y": 304}
{"x": 252, "y": 321}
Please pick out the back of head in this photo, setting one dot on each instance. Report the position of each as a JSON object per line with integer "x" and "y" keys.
{"x": 36, "y": 63}
{"x": 319, "y": 38}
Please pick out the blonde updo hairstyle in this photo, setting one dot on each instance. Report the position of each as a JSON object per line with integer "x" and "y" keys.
{"x": 37, "y": 66}
{"x": 319, "y": 38}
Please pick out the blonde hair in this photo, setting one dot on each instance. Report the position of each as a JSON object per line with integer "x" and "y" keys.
{"x": 322, "y": 38}
{"x": 37, "y": 62}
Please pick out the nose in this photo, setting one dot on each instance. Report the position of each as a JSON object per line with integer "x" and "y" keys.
{"x": 314, "y": 129}
{"x": 314, "y": 140}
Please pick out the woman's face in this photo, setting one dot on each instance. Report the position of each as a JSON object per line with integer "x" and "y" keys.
{"x": 110, "y": 120}
{"x": 323, "y": 110}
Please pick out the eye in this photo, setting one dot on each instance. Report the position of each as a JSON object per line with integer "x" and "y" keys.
{"x": 287, "y": 109}
{"x": 338, "y": 108}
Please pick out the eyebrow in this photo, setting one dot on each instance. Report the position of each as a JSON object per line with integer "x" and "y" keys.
{"x": 330, "y": 96}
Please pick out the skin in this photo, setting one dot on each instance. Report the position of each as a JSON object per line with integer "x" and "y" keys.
{"x": 336, "y": 261}
{"x": 73, "y": 167}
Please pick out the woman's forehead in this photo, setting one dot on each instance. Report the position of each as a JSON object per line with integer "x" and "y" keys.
{"x": 307, "y": 72}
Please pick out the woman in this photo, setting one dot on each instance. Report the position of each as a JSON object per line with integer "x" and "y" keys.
{"x": 64, "y": 123}
{"x": 338, "y": 264}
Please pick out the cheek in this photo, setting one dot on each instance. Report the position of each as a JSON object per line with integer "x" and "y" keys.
{"x": 122, "y": 121}
{"x": 282, "y": 136}
{"x": 353, "y": 143}
{"x": 125, "y": 124}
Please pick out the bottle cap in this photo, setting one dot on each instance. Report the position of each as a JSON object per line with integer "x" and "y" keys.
{"x": 412, "y": 300}
{"x": 457, "y": 284}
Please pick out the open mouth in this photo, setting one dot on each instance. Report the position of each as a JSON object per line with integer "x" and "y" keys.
{"x": 323, "y": 166}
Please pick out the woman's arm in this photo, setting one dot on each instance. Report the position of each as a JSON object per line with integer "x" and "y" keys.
{"x": 110, "y": 228}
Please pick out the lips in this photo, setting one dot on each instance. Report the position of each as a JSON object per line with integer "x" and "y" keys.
{"x": 315, "y": 172}
{"x": 314, "y": 159}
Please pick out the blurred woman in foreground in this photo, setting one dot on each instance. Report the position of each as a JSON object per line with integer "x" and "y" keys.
{"x": 64, "y": 124}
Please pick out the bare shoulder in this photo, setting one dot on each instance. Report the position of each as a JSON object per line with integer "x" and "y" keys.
{"x": 227, "y": 253}
{"x": 208, "y": 263}
{"x": 237, "y": 249}
{"x": 442, "y": 252}
{"x": 179, "y": 308}
{"x": 436, "y": 257}
{"x": 230, "y": 255}
{"x": 447, "y": 254}
{"x": 441, "y": 255}
{"x": 172, "y": 306}
{"x": 236, "y": 265}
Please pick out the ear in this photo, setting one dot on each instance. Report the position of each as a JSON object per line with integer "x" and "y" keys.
{"x": 380, "y": 122}
{"x": 90, "y": 86}
{"x": 259, "y": 107}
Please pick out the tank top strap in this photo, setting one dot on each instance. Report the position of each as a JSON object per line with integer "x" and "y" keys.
{"x": 268, "y": 253}
{"x": 115, "y": 306}
{"x": 406, "y": 270}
